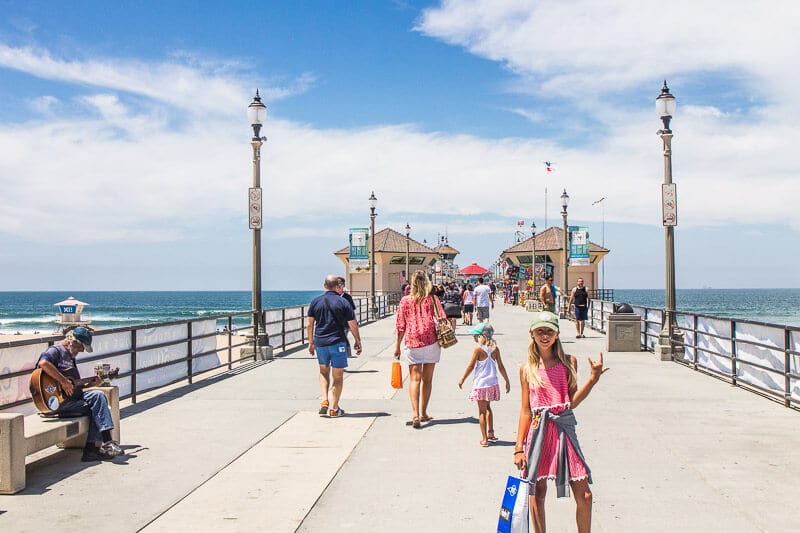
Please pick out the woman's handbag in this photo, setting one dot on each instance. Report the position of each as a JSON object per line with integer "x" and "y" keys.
{"x": 514, "y": 511}
{"x": 445, "y": 334}
{"x": 397, "y": 375}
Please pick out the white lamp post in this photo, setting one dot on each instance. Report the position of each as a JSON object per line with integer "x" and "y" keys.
{"x": 373, "y": 203}
{"x": 565, "y": 277}
{"x": 665, "y": 107}
{"x": 533, "y": 260}
{"x": 408, "y": 247}
{"x": 257, "y": 115}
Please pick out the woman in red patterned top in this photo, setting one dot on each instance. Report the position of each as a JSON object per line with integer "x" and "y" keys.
{"x": 416, "y": 329}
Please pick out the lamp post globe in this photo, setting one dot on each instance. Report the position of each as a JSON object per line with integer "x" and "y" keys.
{"x": 670, "y": 340}
{"x": 373, "y": 203}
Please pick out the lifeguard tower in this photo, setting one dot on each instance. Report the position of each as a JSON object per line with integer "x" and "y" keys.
{"x": 69, "y": 314}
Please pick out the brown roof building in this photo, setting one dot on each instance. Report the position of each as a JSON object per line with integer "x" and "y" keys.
{"x": 390, "y": 263}
{"x": 550, "y": 257}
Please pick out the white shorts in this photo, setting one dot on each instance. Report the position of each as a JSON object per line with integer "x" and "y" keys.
{"x": 423, "y": 354}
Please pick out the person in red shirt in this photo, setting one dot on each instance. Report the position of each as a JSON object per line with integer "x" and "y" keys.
{"x": 416, "y": 330}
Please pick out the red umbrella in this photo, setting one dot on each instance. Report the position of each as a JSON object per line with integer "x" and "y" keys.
{"x": 473, "y": 270}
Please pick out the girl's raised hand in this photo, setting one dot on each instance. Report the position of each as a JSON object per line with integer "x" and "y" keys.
{"x": 596, "y": 368}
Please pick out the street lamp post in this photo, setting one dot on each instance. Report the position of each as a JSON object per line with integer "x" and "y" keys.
{"x": 408, "y": 241}
{"x": 533, "y": 260}
{"x": 565, "y": 277}
{"x": 257, "y": 114}
{"x": 373, "y": 203}
{"x": 670, "y": 334}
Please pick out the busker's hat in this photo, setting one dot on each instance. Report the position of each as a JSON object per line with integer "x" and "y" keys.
{"x": 83, "y": 336}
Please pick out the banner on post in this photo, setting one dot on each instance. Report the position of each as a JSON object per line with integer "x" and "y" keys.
{"x": 578, "y": 245}
{"x": 359, "y": 244}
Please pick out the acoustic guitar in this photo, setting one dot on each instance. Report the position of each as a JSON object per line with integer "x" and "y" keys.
{"x": 47, "y": 393}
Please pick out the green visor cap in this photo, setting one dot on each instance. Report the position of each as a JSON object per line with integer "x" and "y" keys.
{"x": 545, "y": 319}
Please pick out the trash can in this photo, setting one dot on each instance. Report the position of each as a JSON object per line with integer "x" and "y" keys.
{"x": 624, "y": 332}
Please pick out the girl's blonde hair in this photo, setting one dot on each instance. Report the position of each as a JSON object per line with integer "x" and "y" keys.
{"x": 420, "y": 286}
{"x": 534, "y": 363}
{"x": 483, "y": 340}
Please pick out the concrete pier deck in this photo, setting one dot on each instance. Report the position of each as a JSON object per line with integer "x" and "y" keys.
{"x": 670, "y": 450}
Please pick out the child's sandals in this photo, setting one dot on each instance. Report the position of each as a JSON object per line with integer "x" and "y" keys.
{"x": 491, "y": 436}
{"x": 484, "y": 444}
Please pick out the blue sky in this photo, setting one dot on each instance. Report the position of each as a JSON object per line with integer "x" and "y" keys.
{"x": 125, "y": 156}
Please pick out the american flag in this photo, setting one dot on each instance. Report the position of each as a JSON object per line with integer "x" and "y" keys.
{"x": 548, "y": 166}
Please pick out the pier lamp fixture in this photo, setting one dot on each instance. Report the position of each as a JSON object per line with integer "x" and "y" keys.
{"x": 670, "y": 340}
{"x": 373, "y": 203}
{"x": 533, "y": 256}
{"x": 565, "y": 277}
{"x": 257, "y": 115}
{"x": 408, "y": 247}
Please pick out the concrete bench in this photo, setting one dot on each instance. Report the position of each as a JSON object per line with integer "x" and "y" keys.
{"x": 22, "y": 435}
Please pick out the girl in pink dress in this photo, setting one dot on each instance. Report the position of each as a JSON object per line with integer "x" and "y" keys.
{"x": 547, "y": 445}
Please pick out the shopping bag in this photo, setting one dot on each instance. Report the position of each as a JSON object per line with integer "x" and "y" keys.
{"x": 514, "y": 512}
{"x": 397, "y": 375}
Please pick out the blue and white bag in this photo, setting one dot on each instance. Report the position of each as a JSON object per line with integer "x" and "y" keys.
{"x": 514, "y": 511}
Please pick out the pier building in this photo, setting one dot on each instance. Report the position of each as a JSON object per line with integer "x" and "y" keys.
{"x": 390, "y": 263}
{"x": 549, "y": 246}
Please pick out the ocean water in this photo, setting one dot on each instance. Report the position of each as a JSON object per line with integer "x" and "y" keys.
{"x": 28, "y": 312}
{"x": 774, "y": 306}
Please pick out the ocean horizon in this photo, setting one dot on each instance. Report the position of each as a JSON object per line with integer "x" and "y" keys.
{"x": 34, "y": 311}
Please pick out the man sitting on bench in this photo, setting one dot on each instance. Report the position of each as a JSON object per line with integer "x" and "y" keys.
{"x": 58, "y": 362}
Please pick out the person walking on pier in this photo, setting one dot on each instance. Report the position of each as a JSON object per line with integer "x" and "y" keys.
{"x": 579, "y": 296}
{"x": 452, "y": 303}
{"x": 486, "y": 363}
{"x": 483, "y": 300}
{"x": 328, "y": 316}
{"x": 547, "y": 445}
{"x": 468, "y": 299}
{"x": 547, "y": 295}
{"x": 416, "y": 329}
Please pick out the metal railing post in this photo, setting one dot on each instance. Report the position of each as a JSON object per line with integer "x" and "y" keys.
{"x": 787, "y": 365}
{"x": 189, "y": 354}
{"x": 133, "y": 366}
{"x": 694, "y": 363}
{"x": 733, "y": 353}
{"x": 230, "y": 342}
{"x": 283, "y": 330}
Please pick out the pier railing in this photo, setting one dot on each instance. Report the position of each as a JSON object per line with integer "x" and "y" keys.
{"x": 759, "y": 356}
{"x": 154, "y": 356}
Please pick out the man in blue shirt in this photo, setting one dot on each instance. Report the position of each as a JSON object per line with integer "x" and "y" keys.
{"x": 58, "y": 362}
{"x": 328, "y": 316}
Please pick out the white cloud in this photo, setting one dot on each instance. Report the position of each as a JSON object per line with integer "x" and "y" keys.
{"x": 44, "y": 104}
{"x": 206, "y": 87}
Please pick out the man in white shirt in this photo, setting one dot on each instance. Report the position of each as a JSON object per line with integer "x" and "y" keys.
{"x": 483, "y": 300}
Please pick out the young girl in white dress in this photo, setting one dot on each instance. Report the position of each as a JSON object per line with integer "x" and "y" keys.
{"x": 486, "y": 363}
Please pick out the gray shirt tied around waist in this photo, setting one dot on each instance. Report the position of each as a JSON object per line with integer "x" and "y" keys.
{"x": 565, "y": 424}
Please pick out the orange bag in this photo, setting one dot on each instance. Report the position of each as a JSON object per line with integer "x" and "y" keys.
{"x": 397, "y": 375}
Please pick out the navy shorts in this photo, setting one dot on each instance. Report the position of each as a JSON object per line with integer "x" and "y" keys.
{"x": 334, "y": 355}
{"x": 581, "y": 313}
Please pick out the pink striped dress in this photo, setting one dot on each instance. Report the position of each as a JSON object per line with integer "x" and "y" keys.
{"x": 553, "y": 395}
